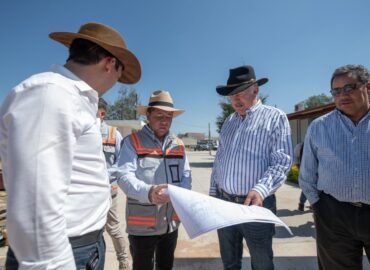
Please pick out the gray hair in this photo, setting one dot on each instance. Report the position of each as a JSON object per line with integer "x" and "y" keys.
{"x": 358, "y": 71}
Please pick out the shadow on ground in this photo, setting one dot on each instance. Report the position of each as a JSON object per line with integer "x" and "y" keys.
{"x": 289, "y": 213}
{"x": 284, "y": 263}
{"x": 304, "y": 230}
{"x": 201, "y": 164}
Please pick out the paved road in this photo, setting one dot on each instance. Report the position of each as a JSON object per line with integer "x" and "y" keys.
{"x": 202, "y": 253}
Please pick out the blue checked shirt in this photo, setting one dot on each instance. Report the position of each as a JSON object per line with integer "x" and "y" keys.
{"x": 336, "y": 159}
{"x": 254, "y": 153}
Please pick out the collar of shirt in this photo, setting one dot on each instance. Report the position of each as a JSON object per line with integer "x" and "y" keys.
{"x": 150, "y": 132}
{"x": 251, "y": 110}
{"x": 80, "y": 84}
{"x": 348, "y": 122}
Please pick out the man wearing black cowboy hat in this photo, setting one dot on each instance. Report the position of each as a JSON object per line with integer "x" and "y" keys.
{"x": 51, "y": 148}
{"x": 253, "y": 158}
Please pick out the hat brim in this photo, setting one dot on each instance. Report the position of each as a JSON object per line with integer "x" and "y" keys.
{"x": 132, "y": 72}
{"x": 228, "y": 90}
{"x": 143, "y": 109}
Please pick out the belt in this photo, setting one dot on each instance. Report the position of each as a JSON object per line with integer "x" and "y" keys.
{"x": 86, "y": 239}
{"x": 360, "y": 204}
{"x": 356, "y": 204}
{"x": 231, "y": 197}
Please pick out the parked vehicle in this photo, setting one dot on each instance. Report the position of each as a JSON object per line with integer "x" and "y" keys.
{"x": 214, "y": 146}
{"x": 201, "y": 147}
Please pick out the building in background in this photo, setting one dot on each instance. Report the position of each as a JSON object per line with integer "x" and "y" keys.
{"x": 126, "y": 127}
{"x": 300, "y": 120}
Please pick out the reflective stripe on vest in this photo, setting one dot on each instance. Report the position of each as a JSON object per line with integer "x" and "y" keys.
{"x": 155, "y": 151}
{"x": 109, "y": 150}
{"x": 111, "y": 139}
{"x": 175, "y": 217}
{"x": 147, "y": 221}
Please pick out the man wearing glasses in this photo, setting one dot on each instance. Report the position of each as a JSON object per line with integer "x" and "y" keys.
{"x": 335, "y": 172}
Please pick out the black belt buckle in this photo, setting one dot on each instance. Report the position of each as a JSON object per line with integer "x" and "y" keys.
{"x": 231, "y": 197}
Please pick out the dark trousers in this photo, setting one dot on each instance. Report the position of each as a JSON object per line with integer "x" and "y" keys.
{"x": 147, "y": 249}
{"x": 89, "y": 257}
{"x": 302, "y": 198}
{"x": 343, "y": 232}
{"x": 258, "y": 237}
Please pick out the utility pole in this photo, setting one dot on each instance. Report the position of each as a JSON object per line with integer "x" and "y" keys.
{"x": 209, "y": 139}
{"x": 136, "y": 100}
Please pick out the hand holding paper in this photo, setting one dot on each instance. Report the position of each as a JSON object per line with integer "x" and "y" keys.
{"x": 200, "y": 213}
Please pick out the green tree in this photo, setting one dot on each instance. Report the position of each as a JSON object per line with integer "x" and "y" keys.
{"x": 227, "y": 109}
{"x": 123, "y": 108}
{"x": 318, "y": 100}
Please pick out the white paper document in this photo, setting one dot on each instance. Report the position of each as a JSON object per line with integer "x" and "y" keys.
{"x": 201, "y": 213}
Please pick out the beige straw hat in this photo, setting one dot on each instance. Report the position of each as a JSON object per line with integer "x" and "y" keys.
{"x": 161, "y": 100}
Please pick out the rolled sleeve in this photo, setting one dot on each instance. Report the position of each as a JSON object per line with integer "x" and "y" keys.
{"x": 186, "y": 179}
{"x": 213, "y": 183}
{"x": 280, "y": 159}
{"x": 308, "y": 173}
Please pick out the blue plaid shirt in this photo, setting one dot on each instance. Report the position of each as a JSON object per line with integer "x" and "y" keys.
{"x": 255, "y": 153}
{"x": 336, "y": 159}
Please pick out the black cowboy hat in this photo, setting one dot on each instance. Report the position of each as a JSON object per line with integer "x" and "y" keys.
{"x": 240, "y": 78}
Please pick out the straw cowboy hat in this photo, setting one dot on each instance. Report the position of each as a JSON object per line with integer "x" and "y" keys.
{"x": 109, "y": 39}
{"x": 240, "y": 78}
{"x": 161, "y": 100}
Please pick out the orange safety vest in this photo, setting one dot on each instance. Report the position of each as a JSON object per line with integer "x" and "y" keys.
{"x": 155, "y": 166}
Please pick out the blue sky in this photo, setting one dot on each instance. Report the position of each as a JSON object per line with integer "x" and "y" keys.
{"x": 187, "y": 47}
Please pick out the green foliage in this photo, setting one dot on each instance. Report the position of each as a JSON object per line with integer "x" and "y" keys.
{"x": 318, "y": 100}
{"x": 227, "y": 109}
{"x": 293, "y": 174}
{"x": 123, "y": 108}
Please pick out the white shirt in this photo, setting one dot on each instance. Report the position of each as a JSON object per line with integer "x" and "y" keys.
{"x": 54, "y": 168}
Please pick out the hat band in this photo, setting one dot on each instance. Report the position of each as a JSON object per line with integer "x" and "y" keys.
{"x": 160, "y": 103}
{"x": 244, "y": 82}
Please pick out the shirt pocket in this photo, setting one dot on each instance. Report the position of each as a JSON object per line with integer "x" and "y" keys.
{"x": 174, "y": 167}
{"x": 147, "y": 168}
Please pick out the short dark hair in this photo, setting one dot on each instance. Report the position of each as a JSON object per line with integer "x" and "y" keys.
{"x": 102, "y": 104}
{"x": 361, "y": 72}
{"x": 86, "y": 52}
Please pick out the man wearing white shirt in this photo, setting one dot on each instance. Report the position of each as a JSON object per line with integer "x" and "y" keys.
{"x": 51, "y": 148}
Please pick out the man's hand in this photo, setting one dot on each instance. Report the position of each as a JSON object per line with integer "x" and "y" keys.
{"x": 157, "y": 194}
{"x": 253, "y": 198}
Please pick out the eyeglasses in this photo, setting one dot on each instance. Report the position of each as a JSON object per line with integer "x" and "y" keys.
{"x": 348, "y": 88}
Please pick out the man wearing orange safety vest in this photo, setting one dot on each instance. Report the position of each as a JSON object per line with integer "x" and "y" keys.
{"x": 149, "y": 160}
{"x": 111, "y": 146}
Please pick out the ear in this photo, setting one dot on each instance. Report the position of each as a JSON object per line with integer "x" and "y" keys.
{"x": 101, "y": 114}
{"x": 109, "y": 63}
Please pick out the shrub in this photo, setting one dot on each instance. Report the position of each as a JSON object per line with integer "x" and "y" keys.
{"x": 293, "y": 174}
